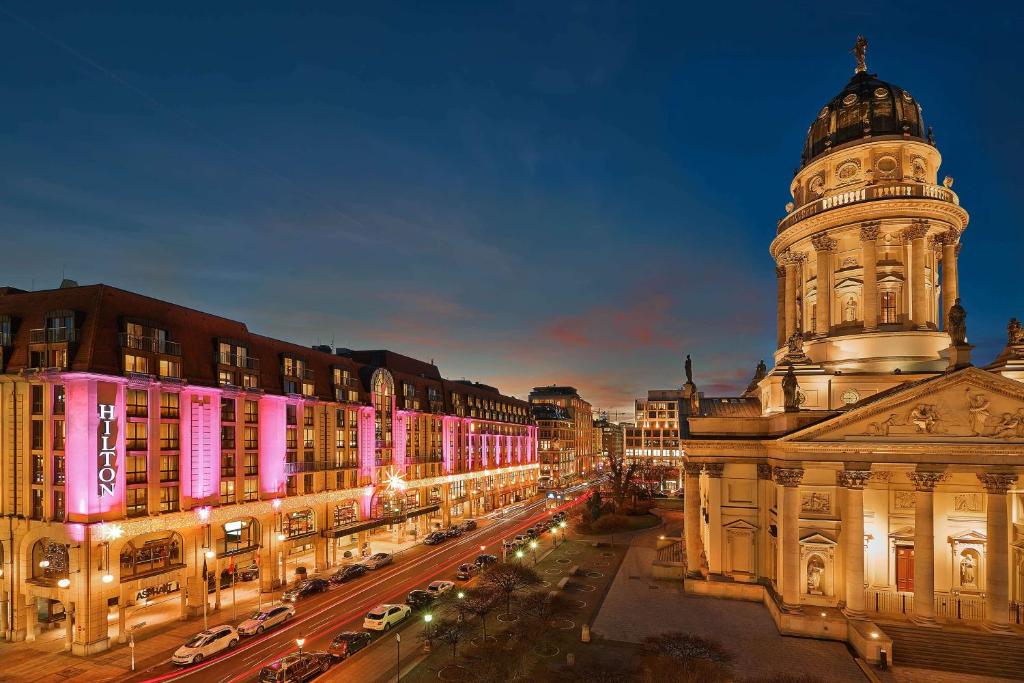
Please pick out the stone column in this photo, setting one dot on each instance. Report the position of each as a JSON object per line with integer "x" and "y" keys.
{"x": 919, "y": 296}
{"x": 780, "y": 304}
{"x": 949, "y": 284}
{"x": 869, "y": 236}
{"x": 714, "y": 549}
{"x": 691, "y": 516}
{"x": 824, "y": 246}
{"x": 997, "y": 550}
{"x": 924, "y": 545}
{"x": 788, "y": 478}
{"x": 792, "y": 273}
{"x": 853, "y": 523}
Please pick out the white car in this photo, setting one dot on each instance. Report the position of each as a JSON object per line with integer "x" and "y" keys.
{"x": 378, "y": 560}
{"x": 206, "y": 644}
{"x": 383, "y": 617}
{"x": 438, "y": 588}
{"x": 261, "y": 621}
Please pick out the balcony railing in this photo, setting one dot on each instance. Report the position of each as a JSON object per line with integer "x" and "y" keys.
{"x": 304, "y": 373}
{"x": 151, "y": 344}
{"x": 52, "y": 335}
{"x": 869, "y": 194}
{"x": 318, "y": 466}
{"x": 238, "y": 361}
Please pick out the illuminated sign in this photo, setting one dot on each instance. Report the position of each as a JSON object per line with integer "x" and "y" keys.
{"x": 106, "y": 473}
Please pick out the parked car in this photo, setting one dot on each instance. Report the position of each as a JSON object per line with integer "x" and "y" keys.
{"x": 305, "y": 589}
{"x": 418, "y": 599}
{"x": 383, "y": 617}
{"x": 484, "y": 560}
{"x": 262, "y": 620}
{"x": 348, "y": 643}
{"x": 467, "y": 570}
{"x": 296, "y": 668}
{"x": 520, "y": 539}
{"x": 435, "y": 537}
{"x": 250, "y": 573}
{"x": 206, "y": 644}
{"x": 352, "y": 571}
{"x": 454, "y": 531}
{"x": 378, "y": 560}
{"x": 469, "y": 525}
{"x": 438, "y": 588}
{"x": 531, "y": 533}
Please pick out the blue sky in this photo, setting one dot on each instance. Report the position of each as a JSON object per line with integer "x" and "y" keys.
{"x": 527, "y": 193}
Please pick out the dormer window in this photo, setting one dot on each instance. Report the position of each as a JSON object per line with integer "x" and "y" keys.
{"x": 5, "y": 330}
{"x": 297, "y": 378}
{"x": 344, "y": 385}
{"x": 148, "y": 338}
{"x": 235, "y": 366}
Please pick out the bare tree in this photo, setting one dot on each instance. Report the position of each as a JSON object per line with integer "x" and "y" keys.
{"x": 497, "y": 662}
{"x": 620, "y": 477}
{"x": 480, "y": 602}
{"x": 450, "y": 632}
{"x": 649, "y": 478}
{"x": 540, "y": 610}
{"x": 508, "y": 578}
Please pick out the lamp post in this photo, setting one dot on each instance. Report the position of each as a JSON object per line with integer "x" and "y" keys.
{"x": 427, "y": 618}
{"x": 533, "y": 547}
{"x": 300, "y": 642}
{"x": 519, "y": 556}
{"x": 398, "y": 655}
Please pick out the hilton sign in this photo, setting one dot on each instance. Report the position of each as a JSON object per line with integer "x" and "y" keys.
{"x": 106, "y": 471}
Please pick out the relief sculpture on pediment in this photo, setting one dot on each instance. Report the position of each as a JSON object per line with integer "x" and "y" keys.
{"x": 968, "y": 414}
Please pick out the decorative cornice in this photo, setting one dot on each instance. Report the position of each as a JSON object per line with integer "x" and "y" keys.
{"x": 997, "y": 482}
{"x": 823, "y": 243}
{"x": 789, "y": 477}
{"x": 926, "y": 481}
{"x": 714, "y": 469}
{"x": 852, "y": 479}
{"x": 869, "y": 230}
{"x": 692, "y": 469}
{"x": 917, "y": 230}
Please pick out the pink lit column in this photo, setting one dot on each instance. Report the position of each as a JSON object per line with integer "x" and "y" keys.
{"x": 400, "y": 437}
{"x": 449, "y": 426}
{"x": 83, "y": 396}
{"x": 272, "y": 447}
{"x": 200, "y": 447}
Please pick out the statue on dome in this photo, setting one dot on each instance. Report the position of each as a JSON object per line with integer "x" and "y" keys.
{"x": 688, "y": 368}
{"x": 1015, "y": 333}
{"x": 790, "y": 391}
{"x": 860, "y": 51}
{"x": 796, "y": 343}
{"x": 956, "y": 324}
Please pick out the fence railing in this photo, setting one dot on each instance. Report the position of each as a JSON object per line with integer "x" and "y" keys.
{"x": 950, "y": 606}
{"x": 867, "y": 194}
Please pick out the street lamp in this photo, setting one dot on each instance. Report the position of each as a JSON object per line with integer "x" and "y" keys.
{"x": 300, "y": 642}
{"x": 398, "y": 654}
{"x": 519, "y": 555}
{"x": 533, "y": 547}
{"x": 427, "y": 618}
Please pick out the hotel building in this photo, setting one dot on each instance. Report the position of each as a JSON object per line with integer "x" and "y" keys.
{"x": 141, "y": 440}
{"x": 565, "y": 427}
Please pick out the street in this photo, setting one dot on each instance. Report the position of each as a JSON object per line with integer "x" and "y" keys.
{"x": 323, "y": 616}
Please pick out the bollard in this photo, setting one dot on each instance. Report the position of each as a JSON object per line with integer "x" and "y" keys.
{"x": 570, "y": 659}
{"x": 585, "y": 636}
{"x": 883, "y": 659}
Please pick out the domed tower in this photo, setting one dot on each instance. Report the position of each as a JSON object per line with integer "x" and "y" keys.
{"x": 861, "y": 248}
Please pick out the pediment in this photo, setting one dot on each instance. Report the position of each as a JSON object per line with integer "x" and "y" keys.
{"x": 817, "y": 539}
{"x": 965, "y": 406}
{"x": 740, "y": 525}
{"x": 972, "y": 536}
{"x": 848, "y": 283}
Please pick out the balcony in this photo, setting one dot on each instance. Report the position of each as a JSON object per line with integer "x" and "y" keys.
{"x": 53, "y": 335}
{"x": 868, "y": 194}
{"x": 238, "y": 361}
{"x": 318, "y": 466}
{"x": 303, "y": 373}
{"x": 151, "y": 344}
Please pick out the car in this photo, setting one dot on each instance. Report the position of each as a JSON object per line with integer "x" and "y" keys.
{"x": 296, "y": 668}
{"x": 418, "y": 599}
{"x": 531, "y": 533}
{"x": 469, "y": 525}
{"x": 520, "y": 539}
{"x": 438, "y": 588}
{"x": 509, "y": 545}
{"x": 347, "y": 643}
{"x": 467, "y": 570}
{"x": 484, "y": 560}
{"x": 352, "y": 571}
{"x": 305, "y": 589}
{"x": 250, "y": 573}
{"x": 261, "y": 620}
{"x": 435, "y": 537}
{"x": 383, "y": 617}
{"x": 454, "y": 531}
{"x": 206, "y": 644}
{"x": 378, "y": 560}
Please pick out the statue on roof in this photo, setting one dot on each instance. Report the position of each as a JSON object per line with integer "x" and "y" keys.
{"x": 1014, "y": 333}
{"x": 759, "y": 374}
{"x": 790, "y": 391}
{"x": 688, "y": 368}
{"x": 956, "y": 324}
{"x": 860, "y": 51}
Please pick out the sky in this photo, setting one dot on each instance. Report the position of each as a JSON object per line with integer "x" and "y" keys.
{"x": 526, "y": 193}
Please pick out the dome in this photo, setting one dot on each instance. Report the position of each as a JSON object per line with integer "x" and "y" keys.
{"x": 866, "y": 108}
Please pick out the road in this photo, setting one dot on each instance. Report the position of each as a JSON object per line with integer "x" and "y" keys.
{"x": 321, "y": 617}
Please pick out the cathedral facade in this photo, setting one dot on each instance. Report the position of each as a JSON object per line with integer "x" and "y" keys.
{"x": 874, "y": 472}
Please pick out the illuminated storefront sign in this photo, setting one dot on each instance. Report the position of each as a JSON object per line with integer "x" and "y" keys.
{"x": 106, "y": 472}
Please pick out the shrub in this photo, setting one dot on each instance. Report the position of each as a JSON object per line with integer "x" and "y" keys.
{"x": 612, "y": 522}
{"x": 687, "y": 647}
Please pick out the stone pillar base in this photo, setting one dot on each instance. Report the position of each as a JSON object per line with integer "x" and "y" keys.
{"x": 855, "y": 614}
{"x": 792, "y": 609}
{"x": 926, "y": 622}
{"x": 85, "y": 649}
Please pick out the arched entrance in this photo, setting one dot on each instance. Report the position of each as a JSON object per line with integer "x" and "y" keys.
{"x": 49, "y": 569}
{"x": 149, "y": 567}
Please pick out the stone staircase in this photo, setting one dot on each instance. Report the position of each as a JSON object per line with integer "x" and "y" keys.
{"x": 970, "y": 652}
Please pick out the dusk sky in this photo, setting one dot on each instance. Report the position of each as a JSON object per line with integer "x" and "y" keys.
{"x": 528, "y": 193}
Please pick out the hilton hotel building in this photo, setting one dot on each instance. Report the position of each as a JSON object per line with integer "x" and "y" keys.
{"x": 141, "y": 439}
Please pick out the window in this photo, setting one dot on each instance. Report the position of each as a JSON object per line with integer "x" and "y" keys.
{"x": 252, "y": 489}
{"x": 37, "y": 504}
{"x": 170, "y": 368}
{"x": 339, "y": 438}
{"x": 889, "y": 306}
{"x": 135, "y": 436}
{"x": 291, "y": 438}
{"x": 135, "y": 469}
{"x": 252, "y": 412}
{"x": 37, "y": 435}
{"x": 37, "y": 468}
{"x": 227, "y": 437}
{"x": 58, "y": 399}
{"x": 169, "y": 499}
{"x": 136, "y": 502}
{"x": 36, "y": 395}
{"x": 58, "y": 470}
{"x": 307, "y": 437}
{"x": 227, "y": 410}
{"x": 252, "y": 464}
{"x": 225, "y": 377}
{"x": 252, "y": 438}
{"x": 136, "y": 401}
{"x": 344, "y": 515}
{"x": 58, "y": 435}
{"x": 289, "y": 414}
{"x": 240, "y": 535}
{"x": 58, "y": 506}
{"x": 227, "y": 491}
{"x": 133, "y": 363}
{"x": 169, "y": 468}
{"x": 169, "y": 436}
{"x": 299, "y": 523}
{"x": 227, "y": 464}
{"x": 250, "y": 381}
{"x": 170, "y": 406}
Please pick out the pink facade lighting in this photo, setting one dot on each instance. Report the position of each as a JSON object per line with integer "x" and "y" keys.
{"x": 273, "y": 415}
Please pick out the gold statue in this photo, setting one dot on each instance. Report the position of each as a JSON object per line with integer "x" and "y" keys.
{"x": 860, "y": 51}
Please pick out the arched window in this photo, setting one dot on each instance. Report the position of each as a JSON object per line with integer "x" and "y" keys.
{"x": 49, "y": 561}
{"x": 151, "y": 554}
{"x": 383, "y": 405}
{"x": 299, "y": 523}
{"x": 240, "y": 535}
